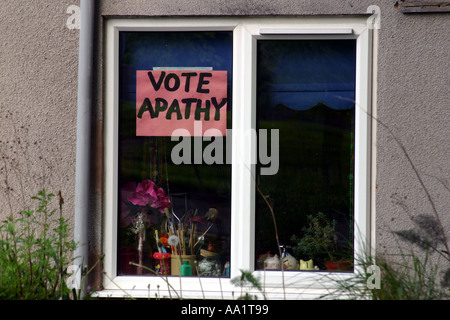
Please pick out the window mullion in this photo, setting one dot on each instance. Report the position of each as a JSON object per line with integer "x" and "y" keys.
{"x": 362, "y": 145}
{"x": 111, "y": 155}
{"x": 243, "y": 152}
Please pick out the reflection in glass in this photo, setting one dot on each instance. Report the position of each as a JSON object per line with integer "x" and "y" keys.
{"x": 197, "y": 196}
{"x": 306, "y": 90}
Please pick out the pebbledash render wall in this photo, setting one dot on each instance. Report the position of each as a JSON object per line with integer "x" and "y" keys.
{"x": 38, "y": 101}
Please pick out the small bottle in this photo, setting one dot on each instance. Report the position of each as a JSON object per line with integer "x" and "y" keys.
{"x": 186, "y": 269}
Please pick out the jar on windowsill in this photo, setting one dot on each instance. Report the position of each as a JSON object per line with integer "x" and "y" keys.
{"x": 210, "y": 265}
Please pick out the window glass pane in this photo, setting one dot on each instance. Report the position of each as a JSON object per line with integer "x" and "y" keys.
{"x": 199, "y": 193}
{"x": 306, "y": 90}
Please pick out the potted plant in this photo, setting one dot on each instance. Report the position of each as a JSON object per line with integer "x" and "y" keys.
{"x": 319, "y": 242}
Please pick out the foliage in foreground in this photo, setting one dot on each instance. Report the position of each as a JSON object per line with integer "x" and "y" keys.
{"x": 408, "y": 277}
{"x": 35, "y": 252}
{"x": 247, "y": 280}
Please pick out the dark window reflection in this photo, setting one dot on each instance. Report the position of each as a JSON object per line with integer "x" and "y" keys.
{"x": 306, "y": 90}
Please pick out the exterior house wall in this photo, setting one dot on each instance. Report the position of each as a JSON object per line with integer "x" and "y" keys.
{"x": 38, "y": 85}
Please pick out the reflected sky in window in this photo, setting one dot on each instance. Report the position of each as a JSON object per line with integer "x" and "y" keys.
{"x": 301, "y": 74}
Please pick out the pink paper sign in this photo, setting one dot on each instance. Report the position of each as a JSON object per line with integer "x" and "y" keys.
{"x": 172, "y": 100}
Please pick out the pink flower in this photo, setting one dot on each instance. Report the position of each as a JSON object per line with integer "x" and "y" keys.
{"x": 163, "y": 199}
{"x": 148, "y": 193}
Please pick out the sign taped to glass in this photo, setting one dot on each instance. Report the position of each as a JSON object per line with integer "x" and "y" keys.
{"x": 173, "y": 99}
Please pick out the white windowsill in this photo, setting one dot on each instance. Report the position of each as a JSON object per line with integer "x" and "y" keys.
{"x": 313, "y": 285}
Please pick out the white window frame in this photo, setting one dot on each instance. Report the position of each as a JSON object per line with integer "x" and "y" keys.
{"x": 246, "y": 32}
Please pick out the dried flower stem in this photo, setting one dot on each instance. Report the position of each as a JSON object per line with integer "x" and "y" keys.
{"x": 276, "y": 235}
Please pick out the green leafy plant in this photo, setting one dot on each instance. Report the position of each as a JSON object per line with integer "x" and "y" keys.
{"x": 318, "y": 240}
{"x": 35, "y": 252}
{"x": 249, "y": 281}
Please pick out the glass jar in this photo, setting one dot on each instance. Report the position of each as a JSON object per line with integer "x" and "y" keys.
{"x": 209, "y": 267}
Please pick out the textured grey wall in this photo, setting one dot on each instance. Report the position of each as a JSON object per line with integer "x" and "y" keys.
{"x": 38, "y": 85}
{"x": 38, "y": 99}
{"x": 413, "y": 100}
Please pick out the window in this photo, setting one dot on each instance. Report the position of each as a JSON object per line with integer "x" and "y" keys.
{"x": 199, "y": 193}
{"x": 291, "y": 133}
{"x": 306, "y": 91}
